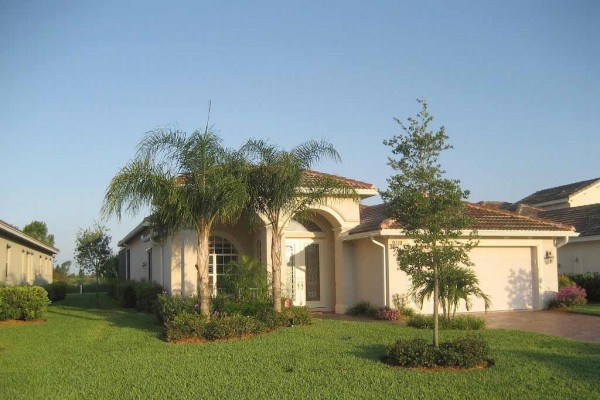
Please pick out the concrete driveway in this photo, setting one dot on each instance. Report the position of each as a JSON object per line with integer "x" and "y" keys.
{"x": 575, "y": 326}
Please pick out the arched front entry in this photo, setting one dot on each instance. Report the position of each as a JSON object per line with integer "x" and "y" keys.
{"x": 308, "y": 271}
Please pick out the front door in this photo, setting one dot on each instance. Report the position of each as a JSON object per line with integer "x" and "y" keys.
{"x": 303, "y": 279}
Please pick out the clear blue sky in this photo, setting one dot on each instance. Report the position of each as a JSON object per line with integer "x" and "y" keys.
{"x": 517, "y": 85}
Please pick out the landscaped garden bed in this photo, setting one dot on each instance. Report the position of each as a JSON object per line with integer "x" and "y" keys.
{"x": 80, "y": 349}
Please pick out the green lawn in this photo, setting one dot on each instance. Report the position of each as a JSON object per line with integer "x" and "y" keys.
{"x": 83, "y": 353}
{"x": 588, "y": 309}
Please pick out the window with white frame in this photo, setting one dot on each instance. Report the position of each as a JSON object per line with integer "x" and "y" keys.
{"x": 222, "y": 252}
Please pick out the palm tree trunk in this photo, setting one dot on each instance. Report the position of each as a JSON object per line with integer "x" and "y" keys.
{"x": 436, "y": 290}
{"x": 203, "y": 231}
{"x": 276, "y": 266}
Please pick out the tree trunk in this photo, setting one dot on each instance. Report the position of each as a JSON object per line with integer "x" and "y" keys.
{"x": 276, "y": 266}
{"x": 97, "y": 290}
{"x": 436, "y": 290}
{"x": 203, "y": 231}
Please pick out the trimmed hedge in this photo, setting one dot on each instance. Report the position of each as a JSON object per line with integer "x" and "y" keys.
{"x": 182, "y": 320}
{"x": 460, "y": 322}
{"x": 591, "y": 283}
{"x": 57, "y": 291}
{"x": 362, "y": 308}
{"x": 467, "y": 352}
{"x": 23, "y": 302}
{"x": 141, "y": 295}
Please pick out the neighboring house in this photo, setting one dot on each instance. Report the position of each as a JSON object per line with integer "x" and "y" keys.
{"x": 23, "y": 259}
{"x": 576, "y": 204}
{"x": 345, "y": 253}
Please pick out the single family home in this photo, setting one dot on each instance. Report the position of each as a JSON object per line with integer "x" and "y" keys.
{"x": 23, "y": 259}
{"x": 345, "y": 253}
{"x": 576, "y": 204}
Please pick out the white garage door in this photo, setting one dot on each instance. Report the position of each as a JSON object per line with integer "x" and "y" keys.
{"x": 505, "y": 275}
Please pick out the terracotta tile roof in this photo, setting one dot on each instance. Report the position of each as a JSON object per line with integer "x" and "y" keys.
{"x": 585, "y": 219}
{"x": 486, "y": 218}
{"x": 352, "y": 182}
{"x": 557, "y": 193}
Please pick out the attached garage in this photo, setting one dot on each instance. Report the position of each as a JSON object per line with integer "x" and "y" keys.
{"x": 507, "y": 275}
{"x": 514, "y": 261}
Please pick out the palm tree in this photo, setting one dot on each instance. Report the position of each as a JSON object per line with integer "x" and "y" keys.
{"x": 189, "y": 182}
{"x": 282, "y": 186}
{"x": 456, "y": 284}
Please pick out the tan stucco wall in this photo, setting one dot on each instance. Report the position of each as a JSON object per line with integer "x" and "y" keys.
{"x": 589, "y": 196}
{"x": 21, "y": 264}
{"x": 579, "y": 257}
{"x": 368, "y": 260}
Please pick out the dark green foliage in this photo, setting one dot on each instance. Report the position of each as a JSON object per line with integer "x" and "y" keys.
{"x": 129, "y": 294}
{"x": 186, "y": 325}
{"x": 23, "y": 302}
{"x": 461, "y": 322}
{"x": 234, "y": 326}
{"x": 298, "y": 315}
{"x": 56, "y": 291}
{"x": 146, "y": 294}
{"x": 246, "y": 280}
{"x": 362, "y": 308}
{"x": 591, "y": 283}
{"x": 248, "y": 308}
{"x": 273, "y": 319}
{"x": 168, "y": 307}
{"x": 39, "y": 230}
{"x": 467, "y": 352}
{"x": 90, "y": 288}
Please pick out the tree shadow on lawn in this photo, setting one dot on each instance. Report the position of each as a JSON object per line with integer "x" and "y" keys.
{"x": 373, "y": 352}
{"x": 578, "y": 367}
{"x": 109, "y": 311}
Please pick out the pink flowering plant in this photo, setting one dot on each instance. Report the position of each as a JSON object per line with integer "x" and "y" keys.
{"x": 570, "y": 296}
{"x": 388, "y": 314}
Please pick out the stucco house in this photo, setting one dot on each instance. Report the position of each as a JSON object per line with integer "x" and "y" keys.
{"x": 576, "y": 204}
{"x": 344, "y": 253}
{"x": 23, "y": 259}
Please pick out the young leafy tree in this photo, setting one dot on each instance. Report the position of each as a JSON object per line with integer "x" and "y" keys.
{"x": 282, "y": 186}
{"x": 92, "y": 252}
{"x": 39, "y": 230}
{"x": 189, "y": 182}
{"x": 428, "y": 206}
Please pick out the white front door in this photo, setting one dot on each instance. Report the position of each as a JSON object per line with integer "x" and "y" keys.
{"x": 303, "y": 275}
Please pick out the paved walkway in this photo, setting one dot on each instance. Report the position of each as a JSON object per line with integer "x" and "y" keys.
{"x": 575, "y": 326}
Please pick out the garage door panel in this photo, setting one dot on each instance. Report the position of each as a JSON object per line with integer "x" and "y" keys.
{"x": 505, "y": 275}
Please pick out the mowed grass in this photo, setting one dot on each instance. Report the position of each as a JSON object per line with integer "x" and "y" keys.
{"x": 588, "y": 309}
{"x": 81, "y": 352}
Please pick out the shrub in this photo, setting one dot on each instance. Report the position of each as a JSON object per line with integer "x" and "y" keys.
{"x": 387, "y": 314}
{"x": 591, "y": 283}
{"x": 232, "y": 326}
{"x": 362, "y": 308}
{"x": 272, "y": 319}
{"x": 569, "y": 296}
{"x": 564, "y": 280}
{"x": 56, "y": 291}
{"x": 298, "y": 315}
{"x": 185, "y": 326}
{"x": 247, "y": 308}
{"x": 401, "y": 304}
{"x": 23, "y": 302}
{"x": 465, "y": 352}
{"x": 167, "y": 307}
{"x": 146, "y": 294}
{"x": 461, "y": 322}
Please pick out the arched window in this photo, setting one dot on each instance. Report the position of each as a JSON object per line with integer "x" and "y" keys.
{"x": 221, "y": 253}
{"x": 302, "y": 225}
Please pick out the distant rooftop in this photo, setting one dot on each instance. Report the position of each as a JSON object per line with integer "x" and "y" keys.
{"x": 557, "y": 193}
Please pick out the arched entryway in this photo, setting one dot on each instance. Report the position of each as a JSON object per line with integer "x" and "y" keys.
{"x": 308, "y": 270}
